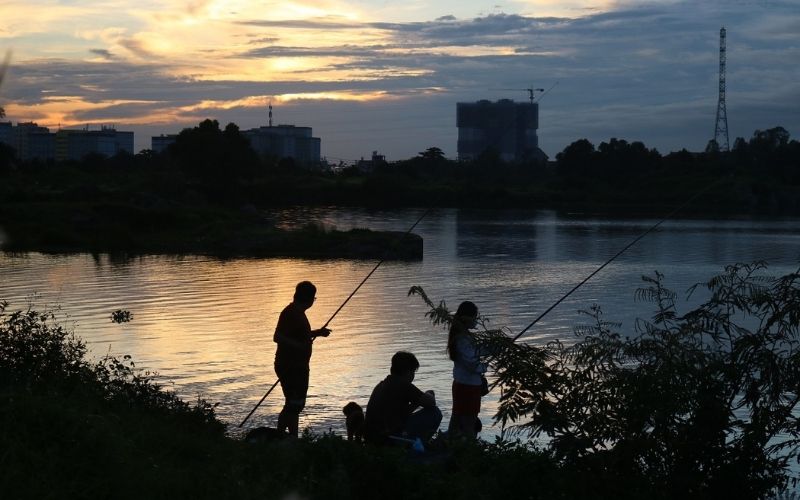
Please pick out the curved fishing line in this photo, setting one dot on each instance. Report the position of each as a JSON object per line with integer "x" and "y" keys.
{"x": 609, "y": 261}
{"x": 392, "y": 247}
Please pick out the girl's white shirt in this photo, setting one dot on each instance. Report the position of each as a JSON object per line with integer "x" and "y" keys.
{"x": 467, "y": 367}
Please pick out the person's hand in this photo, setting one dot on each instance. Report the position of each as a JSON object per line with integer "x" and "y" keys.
{"x": 431, "y": 399}
{"x": 322, "y": 332}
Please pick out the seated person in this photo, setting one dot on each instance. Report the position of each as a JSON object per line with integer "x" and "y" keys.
{"x": 390, "y": 411}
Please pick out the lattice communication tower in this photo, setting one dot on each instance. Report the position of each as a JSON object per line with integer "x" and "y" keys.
{"x": 721, "y": 129}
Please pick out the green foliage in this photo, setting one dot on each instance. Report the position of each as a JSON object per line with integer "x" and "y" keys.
{"x": 616, "y": 159}
{"x": 432, "y": 155}
{"x": 39, "y": 354}
{"x": 74, "y": 429}
{"x": 211, "y": 165}
{"x": 214, "y": 154}
{"x": 695, "y": 405}
{"x": 34, "y": 348}
{"x": 437, "y": 314}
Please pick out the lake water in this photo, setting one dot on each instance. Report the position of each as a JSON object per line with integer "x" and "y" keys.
{"x": 206, "y": 325}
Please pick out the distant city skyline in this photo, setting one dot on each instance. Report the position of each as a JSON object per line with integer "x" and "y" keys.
{"x": 371, "y": 75}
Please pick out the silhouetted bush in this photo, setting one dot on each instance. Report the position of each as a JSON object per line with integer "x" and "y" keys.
{"x": 700, "y": 405}
{"x": 38, "y": 353}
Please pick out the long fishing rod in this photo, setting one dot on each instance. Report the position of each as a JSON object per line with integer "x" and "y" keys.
{"x": 396, "y": 242}
{"x": 609, "y": 261}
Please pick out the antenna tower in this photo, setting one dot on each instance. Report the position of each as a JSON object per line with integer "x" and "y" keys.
{"x": 270, "y": 114}
{"x": 721, "y": 129}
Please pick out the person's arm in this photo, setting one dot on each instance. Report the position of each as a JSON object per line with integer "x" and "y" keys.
{"x": 321, "y": 332}
{"x": 418, "y": 398}
{"x": 427, "y": 400}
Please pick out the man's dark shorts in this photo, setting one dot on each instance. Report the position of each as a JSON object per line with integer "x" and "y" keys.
{"x": 294, "y": 383}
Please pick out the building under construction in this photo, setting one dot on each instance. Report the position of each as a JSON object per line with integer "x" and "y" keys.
{"x": 507, "y": 127}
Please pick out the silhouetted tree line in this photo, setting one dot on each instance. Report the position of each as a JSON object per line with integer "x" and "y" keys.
{"x": 220, "y": 164}
{"x": 770, "y": 151}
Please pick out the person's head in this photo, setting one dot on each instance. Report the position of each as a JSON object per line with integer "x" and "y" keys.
{"x": 305, "y": 293}
{"x": 467, "y": 314}
{"x": 466, "y": 317}
{"x": 404, "y": 364}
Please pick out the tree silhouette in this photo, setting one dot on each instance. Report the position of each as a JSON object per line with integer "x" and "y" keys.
{"x": 213, "y": 153}
{"x": 769, "y": 140}
{"x": 576, "y": 156}
{"x": 432, "y": 154}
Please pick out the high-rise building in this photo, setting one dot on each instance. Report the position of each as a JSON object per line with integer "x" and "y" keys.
{"x": 29, "y": 140}
{"x": 75, "y": 144}
{"x": 6, "y": 132}
{"x": 286, "y": 141}
{"x": 505, "y": 126}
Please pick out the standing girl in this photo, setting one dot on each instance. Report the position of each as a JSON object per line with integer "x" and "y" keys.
{"x": 468, "y": 372}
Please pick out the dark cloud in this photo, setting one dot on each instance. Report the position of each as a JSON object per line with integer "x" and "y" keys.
{"x": 647, "y": 73}
{"x": 338, "y": 51}
{"x": 313, "y": 24}
{"x": 119, "y": 112}
{"x": 264, "y": 39}
{"x": 102, "y": 53}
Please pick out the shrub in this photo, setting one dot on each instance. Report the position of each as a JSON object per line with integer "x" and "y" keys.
{"x": 34, "y": 348}
{"x": 698, "y": 405}
{"x": 38, "y": 353}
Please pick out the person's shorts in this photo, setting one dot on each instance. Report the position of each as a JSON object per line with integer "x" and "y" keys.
{"x": 294, "y": 383}
{"x": 466, "y": 399}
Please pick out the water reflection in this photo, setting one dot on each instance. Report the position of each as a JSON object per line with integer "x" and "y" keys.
{"x": 206, "y": 324}
{"x": 479, "y": 237}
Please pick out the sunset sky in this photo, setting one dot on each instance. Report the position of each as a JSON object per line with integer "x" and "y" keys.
{"x": 378, "y": 75}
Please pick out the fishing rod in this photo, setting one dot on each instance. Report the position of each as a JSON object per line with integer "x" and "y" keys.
{"x": 394, "y": 244}
{"x": 609, "y": 261}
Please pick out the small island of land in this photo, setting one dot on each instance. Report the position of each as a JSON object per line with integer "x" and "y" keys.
{"x": 58, "y": 226}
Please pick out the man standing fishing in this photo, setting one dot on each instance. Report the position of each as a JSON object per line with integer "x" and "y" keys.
{"x": 294, "y": 338}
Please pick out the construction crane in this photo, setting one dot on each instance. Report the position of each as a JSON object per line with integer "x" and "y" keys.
{"x": 530, "y": 92}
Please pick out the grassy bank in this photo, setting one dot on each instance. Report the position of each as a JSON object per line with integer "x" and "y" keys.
{"x": 71, "y": 428}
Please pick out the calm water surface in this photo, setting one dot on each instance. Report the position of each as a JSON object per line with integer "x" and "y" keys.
{"x": 206, "y": 325}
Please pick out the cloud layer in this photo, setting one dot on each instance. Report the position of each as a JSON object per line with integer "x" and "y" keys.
{"x": 371, "y": 79}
